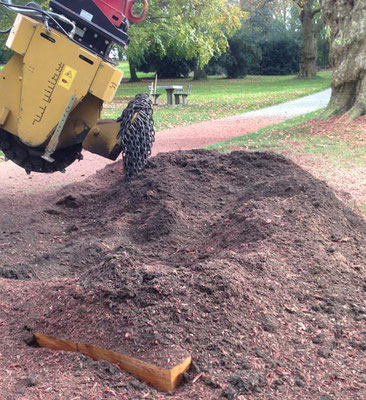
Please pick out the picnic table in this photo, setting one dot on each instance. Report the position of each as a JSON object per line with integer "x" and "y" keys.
{"x": 169, "y": 92}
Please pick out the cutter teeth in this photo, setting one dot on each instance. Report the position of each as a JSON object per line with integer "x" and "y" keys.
{"x": 32, "y": 161}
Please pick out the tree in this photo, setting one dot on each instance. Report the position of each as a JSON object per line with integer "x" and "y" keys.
{"x": 284, "y": 11}
{"x": 296, "y": 17}
{"x": 345, "y": 21}
{"x": 197, "y": 29}
{"x": 311, "y": 26}
{"x": 268, "y": 35}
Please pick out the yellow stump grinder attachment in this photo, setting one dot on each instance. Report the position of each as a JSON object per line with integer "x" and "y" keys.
{"x": 53, "y": 88}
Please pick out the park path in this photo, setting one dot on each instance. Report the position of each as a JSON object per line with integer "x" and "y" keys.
{"x": 15, "y": 182}
{"x": 205, "y": 133}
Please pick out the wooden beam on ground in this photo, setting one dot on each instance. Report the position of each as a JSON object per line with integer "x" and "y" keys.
{"x": 162, "y": 378}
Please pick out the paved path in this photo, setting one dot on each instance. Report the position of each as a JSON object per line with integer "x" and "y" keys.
{"x": 303, "y": 105}
{"x": 14, "y": 180}
{"x": 204, "y": 133}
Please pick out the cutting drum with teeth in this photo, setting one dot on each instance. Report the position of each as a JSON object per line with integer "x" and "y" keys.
{"x": 57, "y": 81}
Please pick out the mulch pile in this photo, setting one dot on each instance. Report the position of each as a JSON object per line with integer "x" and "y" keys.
{"x": 243, "y": 260}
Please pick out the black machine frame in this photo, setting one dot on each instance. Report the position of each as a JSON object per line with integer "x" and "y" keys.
{"x": 93, "y": 29}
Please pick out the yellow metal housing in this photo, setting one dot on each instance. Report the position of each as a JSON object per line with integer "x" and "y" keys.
{"x": 99, "y": 139}
{"x": 106, "y": 73}
{"x": 47, "y": 70}
{"x": 20, "y": 35}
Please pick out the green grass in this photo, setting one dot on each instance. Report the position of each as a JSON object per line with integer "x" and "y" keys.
{"x": 338, "y": 152}
{"x": 271, "y": 137}
{"x": 292, "y": 136}
{"x": 123, "y": 66}
{"x": 218, "y": 97}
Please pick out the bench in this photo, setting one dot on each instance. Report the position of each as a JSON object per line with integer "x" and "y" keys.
{"x": 184, "y": 95}
{"x": 155, "y": 96}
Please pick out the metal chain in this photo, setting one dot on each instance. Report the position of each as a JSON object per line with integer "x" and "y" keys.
{"x": 137, "y": 134}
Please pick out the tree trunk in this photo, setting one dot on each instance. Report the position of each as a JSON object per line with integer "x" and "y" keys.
{"x": 346, "y": 21}
{"x": 198, "y": 72}
{"x": 133, "y": 74}
{"x": 309, "y": 50}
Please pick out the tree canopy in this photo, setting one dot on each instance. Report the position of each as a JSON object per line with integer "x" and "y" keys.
{"x": 252, "y": 36}
{"x": 194, "y": 29}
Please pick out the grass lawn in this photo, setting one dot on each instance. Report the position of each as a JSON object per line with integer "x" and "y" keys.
{"x": 218, "y": 97}
{"x": 332, "y": 150}
{"x": 123, "y": 66}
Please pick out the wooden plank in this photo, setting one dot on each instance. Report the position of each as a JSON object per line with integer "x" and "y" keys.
{"x": 176, "y": 373}
{"x": 163, "y": 378}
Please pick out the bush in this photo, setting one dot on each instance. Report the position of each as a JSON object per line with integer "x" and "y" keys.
{"x": 241, "y": 56}
{"x": 280, "y": 51}
{"x": 279, "y": 57}
{"x": 165, "y": 67}
{"x": 323, "y": 50}
{"x": 214, "y": 67}
{"x": 5, "y": 55}
{"x": 263, "y": 46}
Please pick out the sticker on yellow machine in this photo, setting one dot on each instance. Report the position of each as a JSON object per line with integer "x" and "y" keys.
{"x": 67, "y": 77}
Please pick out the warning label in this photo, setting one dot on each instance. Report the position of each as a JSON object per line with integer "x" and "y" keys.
{"x": 67, "y": 77}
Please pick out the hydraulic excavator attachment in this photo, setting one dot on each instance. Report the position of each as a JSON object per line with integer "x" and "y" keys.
{"x": 53, "y": 88}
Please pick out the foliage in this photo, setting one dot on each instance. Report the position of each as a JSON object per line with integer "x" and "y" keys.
{"x": 302, "y": 30}
{"x": 242, "y": 54}
{"x": 6, "y": 20}
{"x": 264, "y": 46}
{"x": 280, "y": 52}
{"x": 169, "y": 66}
{"x": 323, "y": 49}
{"x": 184, "y": 29}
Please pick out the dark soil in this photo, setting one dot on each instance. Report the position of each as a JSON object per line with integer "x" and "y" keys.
{"x": 244, "y": 260}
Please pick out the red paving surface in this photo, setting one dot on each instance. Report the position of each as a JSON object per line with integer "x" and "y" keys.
{"x": 14, "y": 180}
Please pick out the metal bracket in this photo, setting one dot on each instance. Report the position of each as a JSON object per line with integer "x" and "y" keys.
{"x": 52, "y": 144}
{"x": 4, "y": 116}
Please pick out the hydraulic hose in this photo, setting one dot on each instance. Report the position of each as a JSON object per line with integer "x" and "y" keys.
{"x": 35, "y": 10}
{"x": 27, "y": 9}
